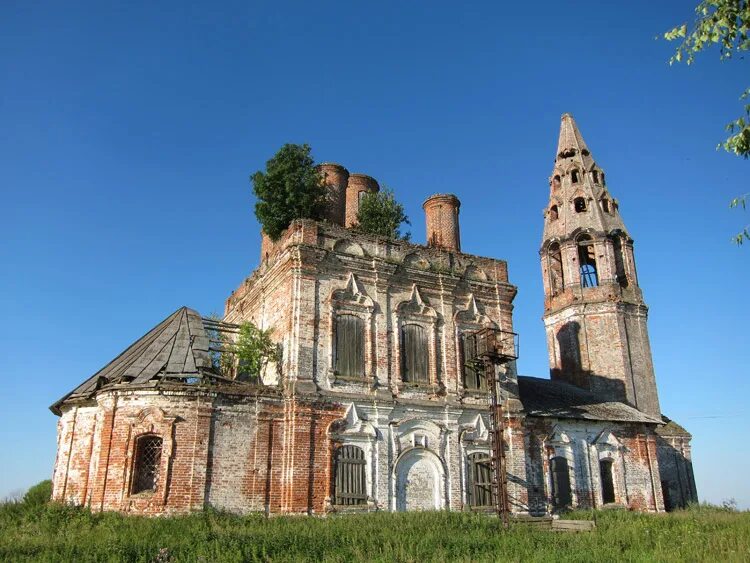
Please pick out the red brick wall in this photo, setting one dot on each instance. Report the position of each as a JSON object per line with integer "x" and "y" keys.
{"x": 441, "y": 218}
{"x": 278, "y": 460}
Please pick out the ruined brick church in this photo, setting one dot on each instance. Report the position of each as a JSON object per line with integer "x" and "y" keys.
{"x": 376, "y": 402}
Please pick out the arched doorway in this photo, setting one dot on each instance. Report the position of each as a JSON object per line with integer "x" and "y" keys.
{"x": 420, "y": 481}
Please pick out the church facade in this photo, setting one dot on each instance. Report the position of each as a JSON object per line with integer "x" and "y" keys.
{"x": 375, "y": 402}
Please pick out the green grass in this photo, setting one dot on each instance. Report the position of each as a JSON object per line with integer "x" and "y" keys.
{"x": 32, "y": 530}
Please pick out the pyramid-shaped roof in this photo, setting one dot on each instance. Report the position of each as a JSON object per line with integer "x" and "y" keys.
{"x": 574, "y": 154}
{"x": 176, "y": 349}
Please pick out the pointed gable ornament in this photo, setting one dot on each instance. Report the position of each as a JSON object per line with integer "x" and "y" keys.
{"x": 606, "y": 440}
{"x": 416, "y": 305}
{"x": 473, "y": 314}
{"x": 352, "y": 294}
{"x": 477, "y": 431}
{"x": 558, "y": 437}
{"x": 353, "y": 425}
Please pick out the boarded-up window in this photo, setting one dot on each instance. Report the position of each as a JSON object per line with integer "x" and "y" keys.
{"x": 414, "y": 354}
{"x": 349, "y": 354}
{"x": 474, "y": 377}
{"x": 146, "y": 464}
{"x": 480, "y": 480}
{"x": 350, "y": 485}
{"x": 608, "y": 484}
{"x": 561, "y": 496}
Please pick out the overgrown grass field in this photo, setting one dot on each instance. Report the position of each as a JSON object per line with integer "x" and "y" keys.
{"x": 38, "y": 531}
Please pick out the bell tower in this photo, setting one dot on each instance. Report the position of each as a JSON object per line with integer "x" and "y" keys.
{"x": 594, "y": 313}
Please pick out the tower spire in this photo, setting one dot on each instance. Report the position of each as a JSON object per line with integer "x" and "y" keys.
{"x": 578, "y": 194}
{"x": 570, "y": 144}
{"x": 595, "y": 315}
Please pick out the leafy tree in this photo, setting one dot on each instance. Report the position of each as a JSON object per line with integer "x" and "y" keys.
{"x": 255, "y": 350}
{"x": 240, "y": 351}
{"x": 39, "y": 494}
{"x": 290, "y": 188}
{"x": 380, "y": 214}
{"x": 725, "y": 23}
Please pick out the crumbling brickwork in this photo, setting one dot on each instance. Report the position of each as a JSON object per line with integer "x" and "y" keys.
{"x": 595, "y": 315}
{"x": 376, "y": 390}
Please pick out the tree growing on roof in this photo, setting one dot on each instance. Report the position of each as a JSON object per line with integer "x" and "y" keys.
{"x": 380, "y": 214}
{"x": 290, "y": 188}
{"x": 241, "y": 351}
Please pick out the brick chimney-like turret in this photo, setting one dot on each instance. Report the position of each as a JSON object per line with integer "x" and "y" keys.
{"x": 358, "y": 185}
{"x": 441, "y": 217}
{"x": 336, "y": 178}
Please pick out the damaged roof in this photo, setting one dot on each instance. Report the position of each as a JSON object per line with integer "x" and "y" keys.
{"x": 671, "y": 428}
{"x": 176, "y": 349}
{"x": 544, "y": 397}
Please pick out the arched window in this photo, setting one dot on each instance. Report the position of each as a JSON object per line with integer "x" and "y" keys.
{"x": 605, "y": 205}
{"x": 553, "y": 214}
{"x": 350, "y": 483}
{"x": 587, "y": 262}
{"x": 556, "y": 182}
{"x": 560, "y": 474}
{"x": 146, "y": 464}
{"x": 579, "y": 204}
{"x": 414, "y": 354}
{"x": 479, "y": 491}
{"x": 608, "y": 483}
{"x": 595, "y": 174}
{"x": 622, "y": 277}
{"x": 604, "y": 182}
{"x": 349, "y": 351}
{"x": 574, "y": 176}
{"x": 556, "y": 276}
{"x": 474, "y": 377}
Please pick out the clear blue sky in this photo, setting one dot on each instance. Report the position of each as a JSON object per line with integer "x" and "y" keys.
{"x": 129, "y": 132}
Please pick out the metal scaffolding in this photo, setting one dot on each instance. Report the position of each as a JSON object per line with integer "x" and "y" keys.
{"x": 496, "y": 348}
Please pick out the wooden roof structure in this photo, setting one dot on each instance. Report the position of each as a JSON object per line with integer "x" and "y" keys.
{"x": 178, "y": 349}
{"x": 557, "y": 399}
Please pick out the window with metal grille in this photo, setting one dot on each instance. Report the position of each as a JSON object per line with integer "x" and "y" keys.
{"x": 474, "y": 376}
{"x": 587, "y": 262}
{"x": 414, "y": 354}
{"x": 480, "y": 480}
{"x": 349, "y": 349}
{"x": 608, "y": 484}
{"x": 146, "y": 463}
{"x": 350, "y": 484}
{"x": 561, "y": 496}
